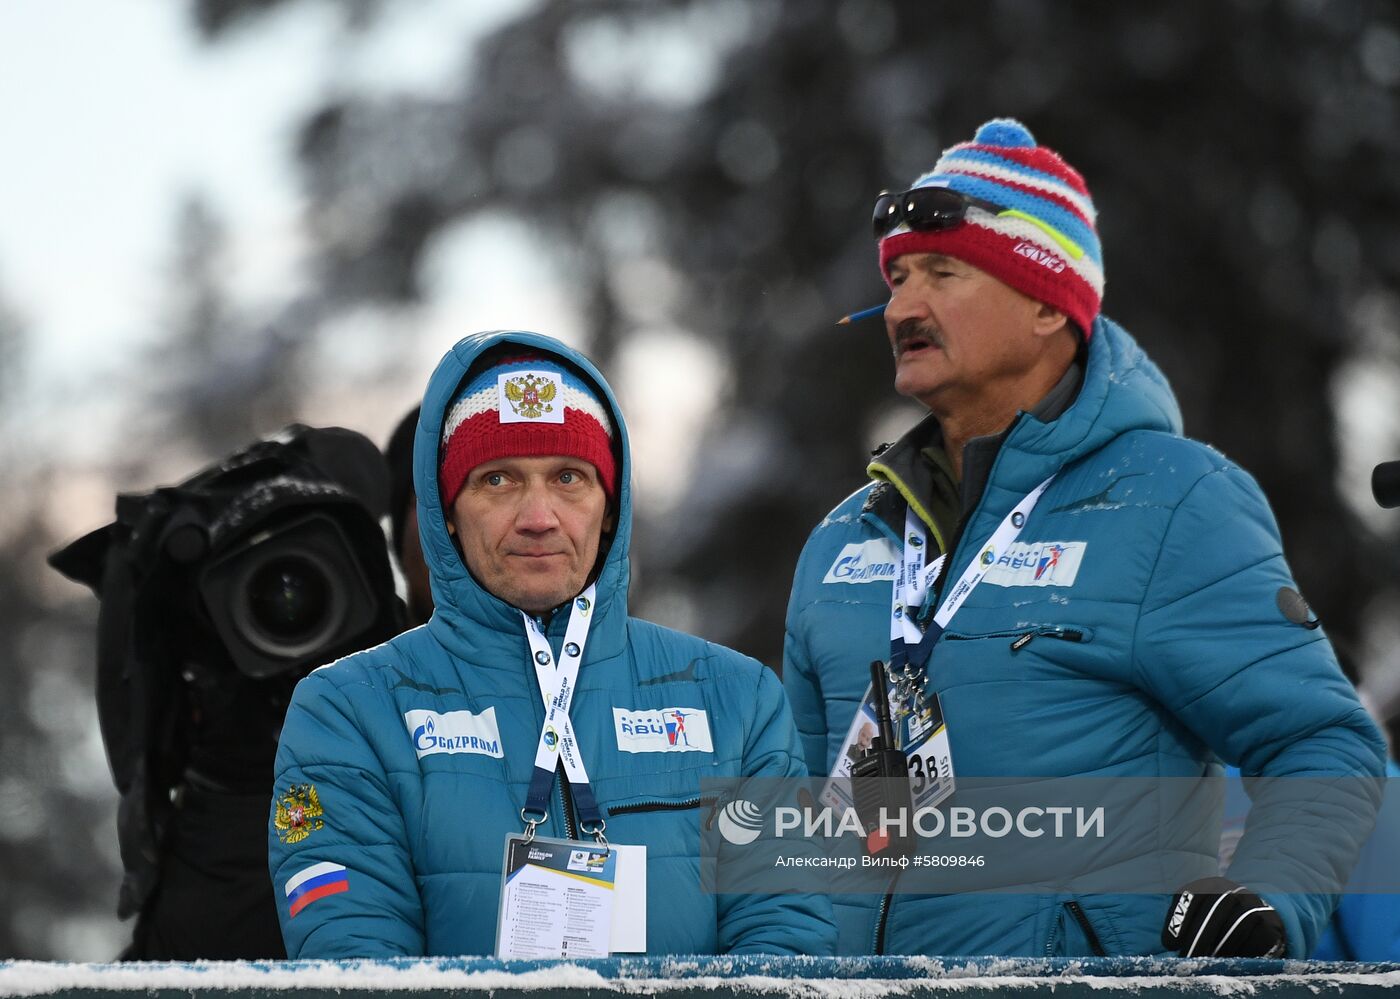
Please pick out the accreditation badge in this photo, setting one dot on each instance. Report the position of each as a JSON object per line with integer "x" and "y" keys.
{"x": 556, "y": 898}
{"x": 923, "y": 739}
{"x": 836, "y": 792}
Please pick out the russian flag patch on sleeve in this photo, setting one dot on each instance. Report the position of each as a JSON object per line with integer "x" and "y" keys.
{"x": 316, "y": 881}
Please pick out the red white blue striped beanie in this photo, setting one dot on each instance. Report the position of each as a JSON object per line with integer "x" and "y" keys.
{"x": 1043, "y": 243}
{"x": 525, "y": 406}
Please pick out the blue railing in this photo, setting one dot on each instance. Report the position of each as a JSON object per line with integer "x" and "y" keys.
{"x": 679, "y": 977}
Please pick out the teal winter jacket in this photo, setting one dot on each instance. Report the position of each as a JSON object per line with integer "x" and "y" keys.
{"x": 1138, "y": 635}
{"x": 420, "y": 832}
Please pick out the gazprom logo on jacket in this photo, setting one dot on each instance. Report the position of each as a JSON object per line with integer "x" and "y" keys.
{"x": 1038, "y": 563}
{"x": 868, "y": 562}
{"x": 663, "y": 730}
{"x": 454, "y": 732}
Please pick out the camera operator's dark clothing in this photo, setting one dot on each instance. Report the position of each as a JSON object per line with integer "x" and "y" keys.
{"x": 213, "y": 901}
{"x": 209, "y": 612}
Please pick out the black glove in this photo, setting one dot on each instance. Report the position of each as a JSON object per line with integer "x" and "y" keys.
{"x": 1214, "y": 917}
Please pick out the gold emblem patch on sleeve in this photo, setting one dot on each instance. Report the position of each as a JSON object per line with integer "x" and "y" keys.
{"x": 298, "y": 813}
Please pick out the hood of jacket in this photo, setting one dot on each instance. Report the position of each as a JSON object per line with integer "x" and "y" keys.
{"x": 469, "y": 621}
{"x": 1123, "y": 391}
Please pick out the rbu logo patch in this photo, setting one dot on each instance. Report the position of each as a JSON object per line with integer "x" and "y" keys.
{"x": 870, "y": 562}
{"x": 454, "y": 732}
{"x": 664, "y": 730}
{"x": 1038, "y": 563}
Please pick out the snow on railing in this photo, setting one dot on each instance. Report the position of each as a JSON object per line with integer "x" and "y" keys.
{"x": 677, "y": 977}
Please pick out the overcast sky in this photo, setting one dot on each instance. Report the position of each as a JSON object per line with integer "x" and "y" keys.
{"x": 112, "y": 112}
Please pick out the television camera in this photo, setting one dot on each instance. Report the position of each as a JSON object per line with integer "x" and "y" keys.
{"x": 217, "y": 594}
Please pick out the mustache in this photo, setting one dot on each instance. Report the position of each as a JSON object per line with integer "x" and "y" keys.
{"x": 913, "y": 329}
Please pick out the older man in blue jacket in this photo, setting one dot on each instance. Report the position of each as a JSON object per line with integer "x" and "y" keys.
{"x": 1114, "y": 600}
{"x": 402, "y": 768}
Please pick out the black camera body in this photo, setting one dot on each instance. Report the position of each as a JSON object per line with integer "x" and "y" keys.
{"x": 217, "y": 595}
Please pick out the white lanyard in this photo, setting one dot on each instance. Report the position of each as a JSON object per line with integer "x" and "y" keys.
{"x": 914, "y": 582}
{"x": 557, "y": 739}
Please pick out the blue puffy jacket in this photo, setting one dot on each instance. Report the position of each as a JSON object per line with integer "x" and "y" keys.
{"x": 420, "y": 835}
{"x": 1154, "y": 644}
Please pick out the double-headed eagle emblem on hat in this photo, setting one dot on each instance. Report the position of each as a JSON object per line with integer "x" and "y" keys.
{"x": 530, "y": 395}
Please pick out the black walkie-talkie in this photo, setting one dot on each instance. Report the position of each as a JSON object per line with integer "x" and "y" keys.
{"x": 880, "y": 782}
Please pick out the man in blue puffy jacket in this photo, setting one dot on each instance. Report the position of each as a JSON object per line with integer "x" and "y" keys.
{"x": 402, "y": 768}
{"x": 1114, "y": 601}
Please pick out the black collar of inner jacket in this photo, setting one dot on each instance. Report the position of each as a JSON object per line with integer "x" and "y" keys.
{"x": 910, "y": 460}
{"x": 981, "y": 452}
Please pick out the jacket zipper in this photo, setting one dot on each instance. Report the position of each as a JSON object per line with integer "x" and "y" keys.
{"x": 566, "y": 802}
{"x": 1059, "y": 631}
{"x": 660, "y": 806}
{"x": 1023, "y": 636}
{"x": 880, "y": 918}
{"x": 1082, "y": 918}
{"x": 884, "y": 914}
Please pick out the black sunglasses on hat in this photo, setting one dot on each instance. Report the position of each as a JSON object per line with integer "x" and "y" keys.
{"x": 924, "y": 208}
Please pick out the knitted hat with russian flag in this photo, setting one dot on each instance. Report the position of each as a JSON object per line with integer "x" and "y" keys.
{"x": 1043, "y": 241}
{"x": 525, "y": 405}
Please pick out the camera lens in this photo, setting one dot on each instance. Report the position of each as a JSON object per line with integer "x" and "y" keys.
{"x": 288, "y": 599}
{"x": 288, "y": 604}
